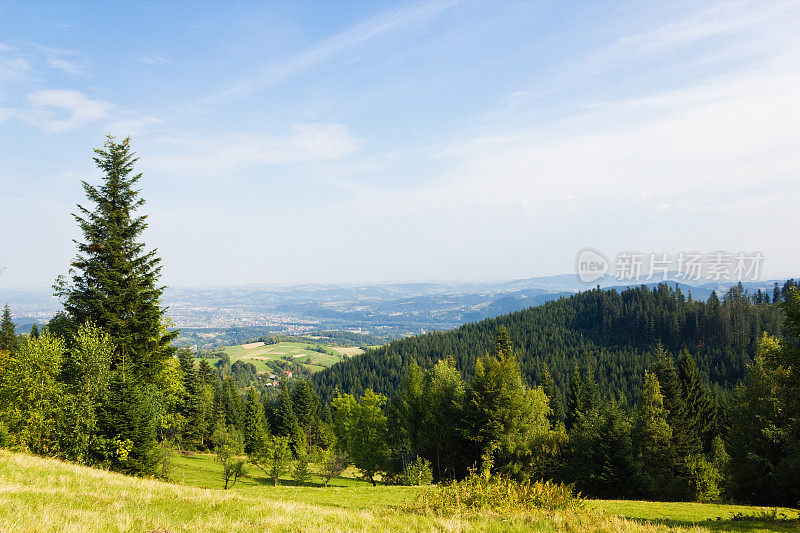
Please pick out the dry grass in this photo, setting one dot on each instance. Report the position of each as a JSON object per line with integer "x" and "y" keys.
{"x": 38, "y": 494}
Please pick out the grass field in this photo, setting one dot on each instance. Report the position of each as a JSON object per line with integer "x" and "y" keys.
{"x": 39, "y": 494}
{"x": 300, "y": 352}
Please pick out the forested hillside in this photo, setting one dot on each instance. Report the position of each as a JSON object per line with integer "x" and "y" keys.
{"x": 611, "y": 333}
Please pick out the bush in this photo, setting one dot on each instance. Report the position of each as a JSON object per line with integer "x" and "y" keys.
{"x": 417, "y": 473}
{"x": 498, "y": 494}
{"x": 703, "y": 479}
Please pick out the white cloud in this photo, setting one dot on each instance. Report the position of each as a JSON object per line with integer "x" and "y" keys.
{"x": 69, "y": 66}
{"x": 305, "y": 143}
{"x": 14, "y": 69}
{"x": 61, "y": 110}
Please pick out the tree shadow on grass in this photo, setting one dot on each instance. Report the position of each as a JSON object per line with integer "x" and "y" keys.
{"x": 744, "y": 524}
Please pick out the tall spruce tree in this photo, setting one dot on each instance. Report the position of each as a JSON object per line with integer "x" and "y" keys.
{"x": 8, "y": 337}
{"x": 113, "y": 280}
{"x": 684, "y": 440}
{"x": 653, "y": 438}
{"x": 254, "y": 433}
{"x": 700, "y": 411}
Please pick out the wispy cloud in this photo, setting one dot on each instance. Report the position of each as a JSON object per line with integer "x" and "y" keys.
{"x": 69, "y": 66}
{"x": 225, "y": 155}
{"x": 60, "y": 110}
{"x": 69, "y": 61}
{"x": 153, "y": 60}
{"x": 414, "y": 14}
{"x": 13, "y": 68}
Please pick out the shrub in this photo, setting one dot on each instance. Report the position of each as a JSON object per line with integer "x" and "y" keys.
{"x": 498, "y": 494}
{"x": 703, "y": 479}
{"x": 417, "y": 473}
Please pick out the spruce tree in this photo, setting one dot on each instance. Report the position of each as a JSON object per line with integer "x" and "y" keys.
{"x": 254, "y": 434}
{"x": 305, "y": 405}
{"x": 8, "y": 338}
{"x": 286, "y": 422}
{"x": 653, "y": 438}
{"x": 113, "y": 281}
{"x": 700, "y": 408}
{"x": 34, "y": 331}
{"x": 684, "y": 438}
{"x": 503, "y": 418}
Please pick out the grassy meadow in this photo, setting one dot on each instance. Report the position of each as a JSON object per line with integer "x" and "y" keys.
{"x": 299, "y": 352}
{"x": 38, "y": 494}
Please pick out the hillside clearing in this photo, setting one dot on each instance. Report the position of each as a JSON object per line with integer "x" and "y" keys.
{"x": 38, "y": 494}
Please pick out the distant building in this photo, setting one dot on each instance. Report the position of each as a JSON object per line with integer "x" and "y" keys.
{"x": 288, "y": 373}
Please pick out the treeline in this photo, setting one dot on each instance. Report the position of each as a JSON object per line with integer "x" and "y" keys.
{"x": 612, "y": 334}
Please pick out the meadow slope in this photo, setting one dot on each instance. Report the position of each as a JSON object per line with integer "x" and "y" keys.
{"x": 38, "y": 494}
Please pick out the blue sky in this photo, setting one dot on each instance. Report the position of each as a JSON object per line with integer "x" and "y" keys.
{"x": 369, "y": 141}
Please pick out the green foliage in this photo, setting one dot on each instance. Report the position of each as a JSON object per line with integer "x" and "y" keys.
{"x": 332, "y": 463}
{"x": 301, "y": 473}
{"x": 613, "y": 333}
{"x": 31, "y": 395}
{"x": 274, "y": 458}
{"x": 113, "y": 281}
{"x": 127, "y": 419}
{"x": 502, "y": 416}
{"x": 254, "y": 431}
{"x": 702, "y": 479}
{"x": 762, "y": 451}
{"x": 497, "y": 495}
{"x": 600, "y": 456}
{"x": 653, "y": 438}
{"x": 424, "y": 418}
{"x": 226, "y": 448}
{"x": 361, "y": 431}
{"x": 417, "y": 472}
{"x": 8, "y": 338}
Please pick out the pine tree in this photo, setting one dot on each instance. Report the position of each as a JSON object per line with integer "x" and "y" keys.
{"x": 8, "y": 338}
{"x": 113, "y": 281}
{"x": 254, "y": 433}
{"x": 684, "y": 440}
{"x": 503, "y": 418}
{"x": 653, "y": 438}
{"x": 700, "y": 408}
{"x": 34, "y": 334}
{"x": 583, "y": 397}
{"x": 305, "y": 405}
{"x": 285, "y": 421}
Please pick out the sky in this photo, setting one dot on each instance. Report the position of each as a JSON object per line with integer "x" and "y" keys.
{"x": 370, "y": 141}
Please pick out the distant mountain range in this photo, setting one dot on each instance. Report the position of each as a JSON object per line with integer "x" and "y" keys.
{"x": 389, "y": 309}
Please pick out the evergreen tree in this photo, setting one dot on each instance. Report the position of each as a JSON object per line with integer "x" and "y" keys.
{"x": 254, "y": 433}
{"x": 285, "y": 422}
{"x": 684, "y": 438}
{"x": 600, "y": 455}
{"x": 8, "y": 338}
{"x": 503, "y": 418}
{"x": 113, "y": 281}
{"x": 34, "y": 334}
{"x": 700, "y": 409}
{"x": 653, "y": 438}
{"x": 583, "y": 397}
{"x": 305, "y": 405}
